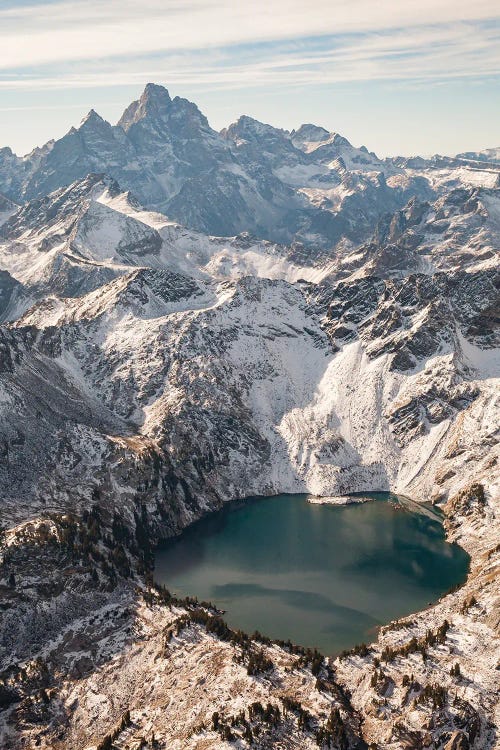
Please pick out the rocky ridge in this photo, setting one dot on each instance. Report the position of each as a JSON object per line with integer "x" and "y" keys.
{"x": 129, "y": 338}
{"x": 251, "y": 177}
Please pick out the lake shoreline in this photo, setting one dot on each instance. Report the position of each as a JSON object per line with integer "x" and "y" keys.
{"x": 315, "y": 577}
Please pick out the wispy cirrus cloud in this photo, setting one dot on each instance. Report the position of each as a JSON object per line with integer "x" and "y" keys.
{"x": 226, "y": 44}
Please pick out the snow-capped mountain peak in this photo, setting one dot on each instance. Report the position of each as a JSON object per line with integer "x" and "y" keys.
{"x": 192, "y": 317}
{"x": 154, "y": 102}
{"x": 310, "y": 137}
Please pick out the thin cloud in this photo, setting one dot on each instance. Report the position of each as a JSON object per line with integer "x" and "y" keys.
{"x": 61, "y": 32}
{"x": 422, "y": 53}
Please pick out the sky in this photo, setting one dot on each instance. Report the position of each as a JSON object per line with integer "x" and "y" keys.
{"x": 399, "y": 76}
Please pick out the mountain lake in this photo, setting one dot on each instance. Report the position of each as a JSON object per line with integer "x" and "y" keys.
{"x": 321, "y": 575}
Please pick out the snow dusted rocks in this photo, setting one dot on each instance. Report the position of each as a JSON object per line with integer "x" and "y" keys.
{"x": 7, "y": 208}
{"x": 343, "y": 338}
{"x": 338, "y": 500}
{"x": 308, "y": 185}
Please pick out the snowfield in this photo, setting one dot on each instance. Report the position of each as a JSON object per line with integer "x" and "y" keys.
{"x": 274, "y": 313}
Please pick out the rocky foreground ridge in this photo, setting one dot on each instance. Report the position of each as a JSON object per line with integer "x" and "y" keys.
{"x": 151, "y": 371}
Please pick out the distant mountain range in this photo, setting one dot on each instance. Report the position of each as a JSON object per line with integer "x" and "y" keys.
{"x": 308, "y": 186}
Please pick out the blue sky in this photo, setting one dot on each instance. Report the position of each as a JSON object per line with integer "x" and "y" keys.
{"x": 414, "y": 77}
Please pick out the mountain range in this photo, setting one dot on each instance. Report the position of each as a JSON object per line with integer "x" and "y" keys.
{"x": 308, "y": 185}
{"x": 192, "y": 317}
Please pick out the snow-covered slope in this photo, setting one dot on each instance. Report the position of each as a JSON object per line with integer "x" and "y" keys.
{"x": 151, "y": 371}
{"x": 461, "y": 230}
{"x": 307, "y": 185}
{"x": 487, "y": 154}
{"x": 80, "y": 237}
{"x": 280, "y": 387}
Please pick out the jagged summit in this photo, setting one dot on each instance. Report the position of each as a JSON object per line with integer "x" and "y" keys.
{"x": 93, "y": 118}
{"x": 151, "y": 371}
{"x": 309, "y": 186}
{"x": 249, "y": 127}
{"x": 155, "y": 91}
{"x": 91, "y": 126}
{"x": 60, "y": 210}
{"x": 156, "y": 108}
{"x": 153, "y": 102}
{"x": 310, "y": 132}
{"x": 311, "y": 137}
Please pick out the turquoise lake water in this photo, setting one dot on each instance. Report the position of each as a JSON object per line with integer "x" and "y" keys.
{"x": 323, "y": 576}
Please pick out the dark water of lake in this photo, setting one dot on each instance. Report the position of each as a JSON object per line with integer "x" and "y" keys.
{"x": 323, "y": 576}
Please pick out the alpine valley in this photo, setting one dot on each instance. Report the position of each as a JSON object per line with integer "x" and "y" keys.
{"x": 192, "y": 317}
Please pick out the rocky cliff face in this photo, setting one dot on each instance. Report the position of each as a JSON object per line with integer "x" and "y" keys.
{"x": 150, "y": 372}
{"x": 251, "y": 177}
